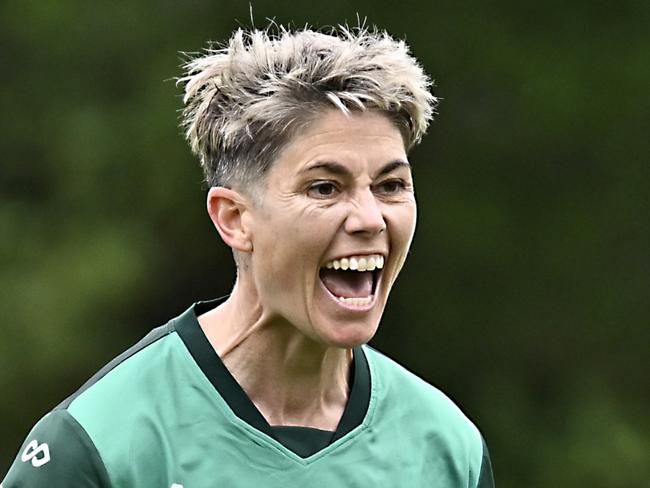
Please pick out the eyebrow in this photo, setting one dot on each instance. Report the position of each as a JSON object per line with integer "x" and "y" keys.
{"x": 339, "y": 169}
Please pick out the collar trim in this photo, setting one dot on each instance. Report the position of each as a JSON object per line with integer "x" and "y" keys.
{"x": 210, "y": 363}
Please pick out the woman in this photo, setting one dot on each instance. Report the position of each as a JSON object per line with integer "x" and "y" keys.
{"x": 303, "y": 138}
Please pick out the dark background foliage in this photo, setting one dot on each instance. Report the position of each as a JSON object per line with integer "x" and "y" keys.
{"x": 526, "y": 294}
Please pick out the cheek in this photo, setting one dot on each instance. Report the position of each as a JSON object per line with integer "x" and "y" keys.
{"x": 404, "y": 225}
{"x": 414, "y": 218}
{"x": 289, "y": 249}
{"x": 402, "y": 229}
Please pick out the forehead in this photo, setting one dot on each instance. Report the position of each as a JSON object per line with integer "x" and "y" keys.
{"x": 358, "y": 140}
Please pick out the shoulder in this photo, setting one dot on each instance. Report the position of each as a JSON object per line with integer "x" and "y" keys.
{"x": 110, "y": 395}
{"x": 430, "y": 415}
{"x": 136, "y": 356}
{"x": 57, "y": 453}
{"x": 394, "y": 380}
{"x": 66, "y": 447}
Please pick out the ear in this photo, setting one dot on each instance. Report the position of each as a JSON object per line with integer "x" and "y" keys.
{"x": 226, "y": 208}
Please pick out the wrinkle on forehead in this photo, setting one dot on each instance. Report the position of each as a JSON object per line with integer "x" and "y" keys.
{"x": 370, "y": 129}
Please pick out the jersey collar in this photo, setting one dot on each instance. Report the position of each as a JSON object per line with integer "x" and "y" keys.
{"x": 210, "y": 363}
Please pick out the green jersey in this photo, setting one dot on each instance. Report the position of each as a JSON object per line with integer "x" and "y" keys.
{"x": 168, "y": 414}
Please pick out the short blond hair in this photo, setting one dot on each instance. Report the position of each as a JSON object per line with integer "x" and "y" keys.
{"x": 244, "y": 101}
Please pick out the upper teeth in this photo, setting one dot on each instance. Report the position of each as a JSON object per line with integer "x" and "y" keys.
{"x": 357, "y": 263}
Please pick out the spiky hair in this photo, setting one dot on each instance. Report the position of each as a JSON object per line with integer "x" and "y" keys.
{"x": 244, "y": 101}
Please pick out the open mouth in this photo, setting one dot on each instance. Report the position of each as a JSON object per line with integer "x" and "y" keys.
{"x": 353, "y": 280}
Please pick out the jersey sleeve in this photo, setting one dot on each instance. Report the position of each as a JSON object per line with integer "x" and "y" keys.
{"x": 57, "y": 454}
{"x": 485, "y": 477}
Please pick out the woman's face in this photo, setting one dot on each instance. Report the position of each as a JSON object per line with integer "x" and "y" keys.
{"x": 340, "y": 195}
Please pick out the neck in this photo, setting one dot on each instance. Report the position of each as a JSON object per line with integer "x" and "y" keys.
{"x": 291, "y": 379}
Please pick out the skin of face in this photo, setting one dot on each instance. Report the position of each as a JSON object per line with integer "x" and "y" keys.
{"x": 342, "y": 187}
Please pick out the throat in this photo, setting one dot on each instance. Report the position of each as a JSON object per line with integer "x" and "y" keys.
{"x": 348, "y": 284}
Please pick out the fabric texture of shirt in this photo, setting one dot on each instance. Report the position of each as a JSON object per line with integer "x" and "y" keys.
{"x": 167, "y": 414}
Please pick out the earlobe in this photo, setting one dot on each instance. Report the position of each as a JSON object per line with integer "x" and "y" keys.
{"x": 226, "y": 208}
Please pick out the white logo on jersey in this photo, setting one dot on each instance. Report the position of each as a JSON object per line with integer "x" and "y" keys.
{"x": 175, "y": 485}
{"x": 32, "y": 451}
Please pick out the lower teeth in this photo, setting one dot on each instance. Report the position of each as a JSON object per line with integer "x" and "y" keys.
{"x": 355, "y": 301}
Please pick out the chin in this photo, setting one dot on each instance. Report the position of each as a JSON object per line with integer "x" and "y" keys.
{"x": 349, "y": 336}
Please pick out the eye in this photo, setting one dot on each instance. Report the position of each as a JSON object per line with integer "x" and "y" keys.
{"x": 322, "y": 189}
{"x": 390, "y": 187}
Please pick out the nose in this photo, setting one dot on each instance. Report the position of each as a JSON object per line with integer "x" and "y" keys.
{"x": 365, "y": 215}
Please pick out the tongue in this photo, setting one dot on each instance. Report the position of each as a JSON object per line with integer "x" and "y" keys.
{"x": 347, "y": 284}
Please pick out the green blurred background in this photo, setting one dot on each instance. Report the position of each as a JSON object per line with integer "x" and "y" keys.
{"x": 526, "y": 294}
